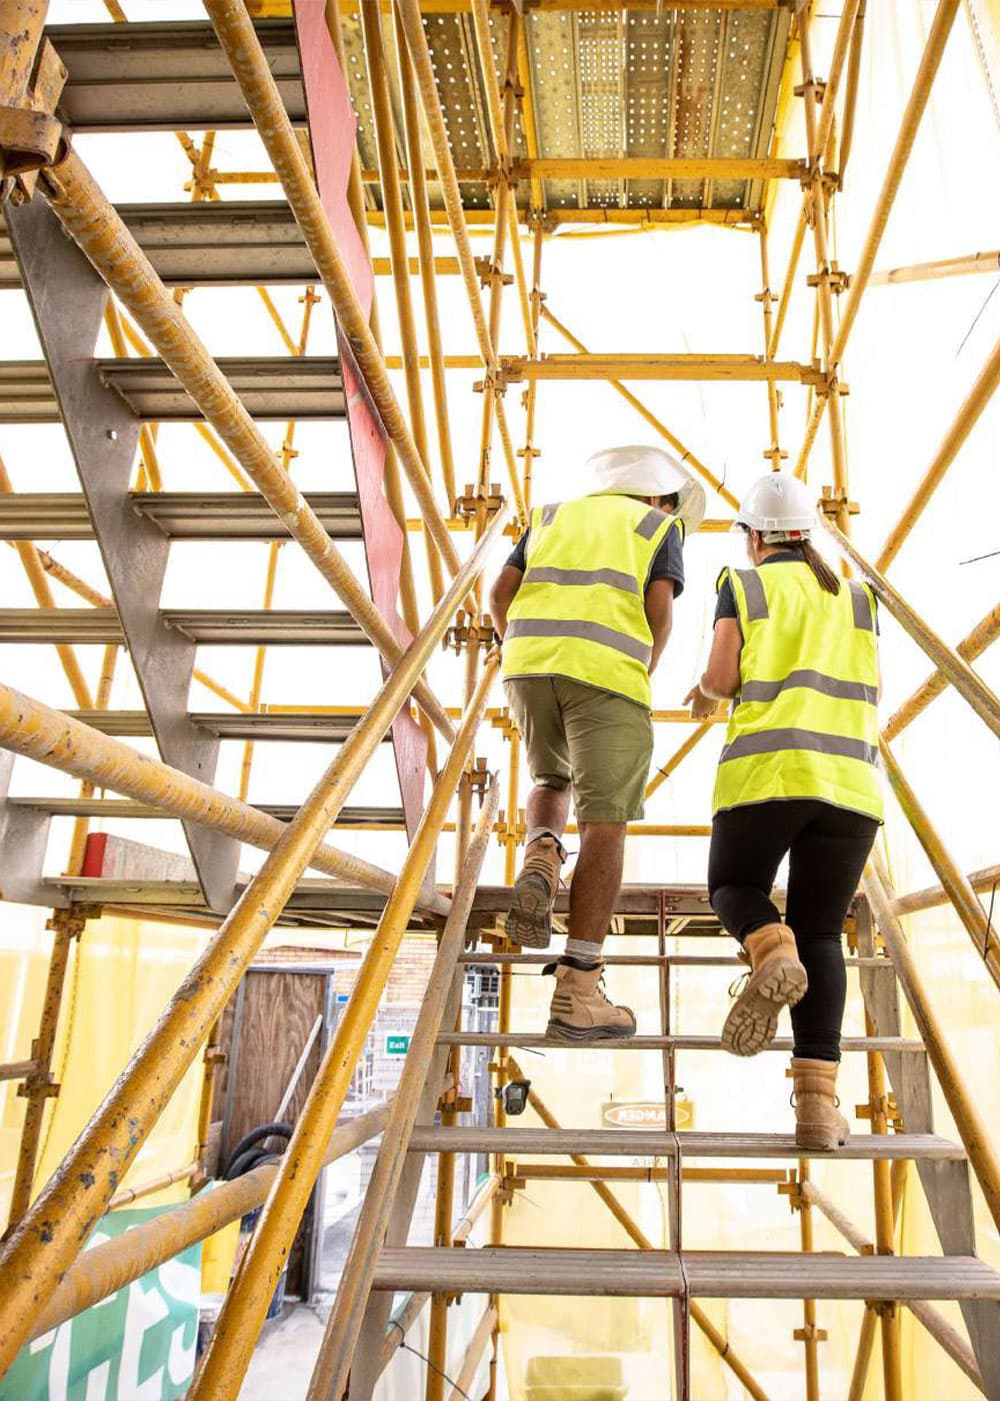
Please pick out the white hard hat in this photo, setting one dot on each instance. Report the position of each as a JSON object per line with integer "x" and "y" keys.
{"x": 640, "y": 470}
{"x": 778, "y": 504}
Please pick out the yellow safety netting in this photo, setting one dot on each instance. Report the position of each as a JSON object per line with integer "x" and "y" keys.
{"x": 122, "y": 973}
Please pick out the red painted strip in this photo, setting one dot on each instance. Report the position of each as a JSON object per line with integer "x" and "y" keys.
{"x": 331, "y": 131}
{"x": 93, "y": 854}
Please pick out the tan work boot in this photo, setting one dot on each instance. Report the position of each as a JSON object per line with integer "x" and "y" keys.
{"x": 580, "y": 1009}
{"x": 819, "y": 1125}
{"x": 777, "y": 979}
{"x": 529, "y": 919}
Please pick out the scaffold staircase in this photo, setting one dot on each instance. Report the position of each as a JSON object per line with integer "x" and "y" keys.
{"x": 362, "y": 1330}
{"x": 67, "y": 245}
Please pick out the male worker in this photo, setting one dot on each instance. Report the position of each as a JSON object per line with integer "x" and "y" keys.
{"x": 584, "y": 608}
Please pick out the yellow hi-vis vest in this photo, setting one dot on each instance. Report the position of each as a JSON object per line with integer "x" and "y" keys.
{"x": 805, "y": 722}
{"x": 579, "y": 611}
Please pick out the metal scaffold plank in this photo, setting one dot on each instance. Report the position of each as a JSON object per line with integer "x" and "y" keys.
{"x": 276, "y": 387}
{"x": 662, "y": 1274}
{"x": 188, "y": 515}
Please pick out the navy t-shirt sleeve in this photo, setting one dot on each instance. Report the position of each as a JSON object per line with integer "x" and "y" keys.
{"x": 725, "y": 603}
{"x": 668, "y": 562}
{"x": 518, "y": 556}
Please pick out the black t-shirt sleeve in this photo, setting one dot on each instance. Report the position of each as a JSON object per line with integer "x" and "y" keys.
{"x": 518, "y": 556}
{"x": 725, "y": 603}
{"x": 668, "y": 562}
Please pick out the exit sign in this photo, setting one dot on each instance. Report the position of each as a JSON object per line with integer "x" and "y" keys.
{"x": 397, "y": 1045}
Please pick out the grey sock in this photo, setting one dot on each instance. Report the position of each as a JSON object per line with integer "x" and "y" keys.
{"x": 583, "y": 952}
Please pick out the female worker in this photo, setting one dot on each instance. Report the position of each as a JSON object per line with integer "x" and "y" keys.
{"x": 795, "y": 648}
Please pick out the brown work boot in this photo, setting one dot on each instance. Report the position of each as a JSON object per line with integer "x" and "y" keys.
{"x": 529, "y": 919}
{"x": 776, "y": 979}
{"x": 580, "y": 1009}
{"x": 819, "y": 1125}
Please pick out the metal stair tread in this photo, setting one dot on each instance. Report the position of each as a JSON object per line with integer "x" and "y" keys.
{"x": 531, "y": 1040}
{"x": 270, "y": 387}
{"x": 314, "y": 727}
{"x": 211, "y": 626}
{"x": 515, "y": 1141}
{"x": 204, "y": 244}
{"x": 181, "y": 515}
{"x": 659, "y": 1274}
{"x": 649, "y": 960}
{"x": 127, "y": 808}
{"x": 164, "y": 75}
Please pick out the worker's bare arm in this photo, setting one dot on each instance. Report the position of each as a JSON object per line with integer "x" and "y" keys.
{"x": 659, "y": 605}
{"x": 721, "y": 680}
{"x": 505, "y": 586}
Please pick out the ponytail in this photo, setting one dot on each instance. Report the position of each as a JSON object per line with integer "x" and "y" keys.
{"x": 825, "y": 576}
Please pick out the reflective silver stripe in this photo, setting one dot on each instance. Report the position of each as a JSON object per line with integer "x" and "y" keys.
{"x": 549, "y": 512}
{"x": 589, "y": 632}
{"x": 811, "y": 681}
{"x": 777, "y": 741}
{"x": 650, "y": 523}
{"x": 616, "y": 578}
{"x": 862, "y": 606}
{"x": 756, "y": 598}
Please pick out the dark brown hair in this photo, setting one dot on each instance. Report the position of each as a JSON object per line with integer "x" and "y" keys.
{"x": 825, "y": 576}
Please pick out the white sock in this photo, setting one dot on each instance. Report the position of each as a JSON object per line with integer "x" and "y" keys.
{"x": 583, "y": 952}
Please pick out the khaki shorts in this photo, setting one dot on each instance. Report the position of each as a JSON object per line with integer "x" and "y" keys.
{"x": 597, "y": 742}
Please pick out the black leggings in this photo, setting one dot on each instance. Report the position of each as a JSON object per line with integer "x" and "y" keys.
{"x": 827, "y": 849}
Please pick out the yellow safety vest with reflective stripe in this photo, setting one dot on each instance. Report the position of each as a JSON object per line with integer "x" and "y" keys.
{"x": 805, "y": 722}
{"x": 579, "y": 611}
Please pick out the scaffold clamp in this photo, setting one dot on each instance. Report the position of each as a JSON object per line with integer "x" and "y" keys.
{"x": 468, "y": 506}
{"x": 832, "y": 502}
{"x": 468, "y": 632}
{"x": 32, "y": 76}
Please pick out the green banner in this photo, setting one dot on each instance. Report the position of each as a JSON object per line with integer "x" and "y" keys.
{"x": 136, "y": 1345}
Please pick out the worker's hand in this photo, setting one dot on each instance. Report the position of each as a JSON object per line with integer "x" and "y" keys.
{"x": 702, "y": 707}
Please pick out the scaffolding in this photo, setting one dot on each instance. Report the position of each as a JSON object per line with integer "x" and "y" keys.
{"x": 474, "y": 118}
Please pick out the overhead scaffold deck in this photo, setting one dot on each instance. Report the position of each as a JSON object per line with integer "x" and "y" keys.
{"x": 416, "y": 121}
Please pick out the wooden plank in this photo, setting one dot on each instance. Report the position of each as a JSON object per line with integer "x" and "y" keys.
{"x": 278, "y": 1014}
